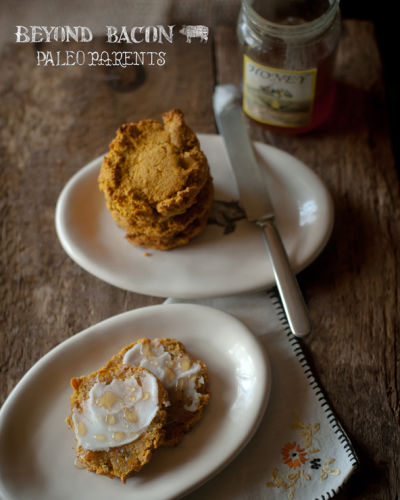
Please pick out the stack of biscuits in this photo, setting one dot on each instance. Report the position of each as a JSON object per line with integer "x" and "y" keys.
{"x": 157, "y": 182}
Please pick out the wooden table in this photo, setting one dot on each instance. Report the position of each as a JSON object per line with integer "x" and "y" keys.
{"x": 56, "y": 119}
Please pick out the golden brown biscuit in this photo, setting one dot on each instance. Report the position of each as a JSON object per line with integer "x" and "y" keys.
{"x": 153, "y": 170}
{"x": 166, "y": 243}
{"x": 185, "y": 378}
{"x": 156, "y": 182}
{"x": 176, "y": 230}
{"x": 162, "y": 226}
{"x": 118, "y": 417}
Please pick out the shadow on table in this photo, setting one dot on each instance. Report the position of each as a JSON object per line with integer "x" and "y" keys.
{"x": 370, "y": 475}
{"x": 357, "y": 110}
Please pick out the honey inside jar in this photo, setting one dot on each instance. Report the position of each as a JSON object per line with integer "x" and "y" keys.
{"x": 288, "y": 50}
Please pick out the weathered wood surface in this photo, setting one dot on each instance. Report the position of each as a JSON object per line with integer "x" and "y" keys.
{"x": 54, "y": 120}
{"x": 353, "y": 288}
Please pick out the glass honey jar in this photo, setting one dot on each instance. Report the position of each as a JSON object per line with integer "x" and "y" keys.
{"x": 288, "y": 50}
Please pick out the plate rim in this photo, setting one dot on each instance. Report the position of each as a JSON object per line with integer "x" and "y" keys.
{"x": 263, "y": 363}
{"x": 81, "y": 259}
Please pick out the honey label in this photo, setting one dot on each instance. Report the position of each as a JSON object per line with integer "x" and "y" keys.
{"x": 278, "y": 97}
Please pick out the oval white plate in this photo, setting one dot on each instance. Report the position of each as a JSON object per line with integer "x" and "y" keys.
{"x": 214, "y": 263}
{"x": 36, "y": 447}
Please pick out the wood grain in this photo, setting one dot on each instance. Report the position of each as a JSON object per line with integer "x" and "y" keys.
{"x": 55, "y": 120}
{"x": 352, "y": 288}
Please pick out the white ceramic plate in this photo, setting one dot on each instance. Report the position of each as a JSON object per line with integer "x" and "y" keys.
{"x": 36, "y": 447}
{"x": 214, "y": 263}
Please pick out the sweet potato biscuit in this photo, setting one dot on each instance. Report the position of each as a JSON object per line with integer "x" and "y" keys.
{"x": 156, "y": 182}
{"x": 118, "y": 416}
{"x": 171, "y": 225}
{"x": 165, "y": 243}
{"x": 184, "y": 377}
{"x": 174, "y": 231}
{"x": 153, "y": 170}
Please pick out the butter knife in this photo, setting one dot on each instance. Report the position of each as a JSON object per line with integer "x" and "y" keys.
{"x": 255, "y": 200}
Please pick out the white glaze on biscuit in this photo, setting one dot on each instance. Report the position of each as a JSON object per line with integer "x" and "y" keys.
{"x": 117, "y": 413}
{"x": 174, "y": 372}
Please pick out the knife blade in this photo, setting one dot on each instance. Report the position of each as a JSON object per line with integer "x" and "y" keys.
{"x": 256, "y": 202}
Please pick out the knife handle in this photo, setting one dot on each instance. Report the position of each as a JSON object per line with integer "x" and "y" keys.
{"x": 289, "y": 290}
